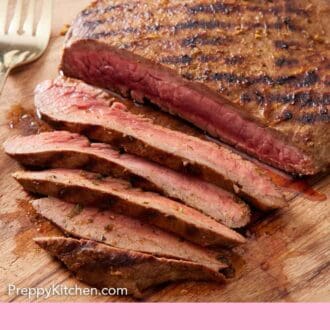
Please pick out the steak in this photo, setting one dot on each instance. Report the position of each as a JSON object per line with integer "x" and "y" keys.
{"x": 77, "y": 107}
{"x": 85, "y": 188}
{"x": 103, "y": 266}
{"x": 255, "y": 74}
{"x": 61, "y": 149}
{"x": 122, "y": 232}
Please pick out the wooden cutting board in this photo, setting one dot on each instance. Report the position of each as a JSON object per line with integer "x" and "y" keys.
{"x": 286, "y": 258}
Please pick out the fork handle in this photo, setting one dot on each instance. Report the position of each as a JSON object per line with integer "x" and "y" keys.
{"x": 4, "y": 72}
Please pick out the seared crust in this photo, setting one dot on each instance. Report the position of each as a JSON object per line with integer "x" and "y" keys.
{"x": 103, "y": 266}
{"x": 270, "y": 59}
{"x": 122, "y": 232}
{"x": 86, "y": 188}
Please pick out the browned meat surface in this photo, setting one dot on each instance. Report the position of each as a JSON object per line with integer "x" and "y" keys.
{"x": 76, "y": 186}
{"x": 254, "y": 73}
{"x": 80, "y": 108}
{"x": 61, "y": 149}
{"x": 122, "y": 232}
{"x": 103, "y": 266}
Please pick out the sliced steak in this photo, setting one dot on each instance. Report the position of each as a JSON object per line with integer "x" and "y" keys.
{"x": 80, "y": 108}
{"x": 86, "y": 188}
{"x": 103, "y": 266}
{"x": 122, "y": 232}
{"x": 61, "y": 149}
{"x": 260, "y": 84}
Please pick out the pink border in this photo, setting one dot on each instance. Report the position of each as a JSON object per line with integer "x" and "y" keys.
{"x": 165, "y": 316}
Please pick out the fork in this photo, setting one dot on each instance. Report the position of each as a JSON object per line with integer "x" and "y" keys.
{"x": 21, "y": 44}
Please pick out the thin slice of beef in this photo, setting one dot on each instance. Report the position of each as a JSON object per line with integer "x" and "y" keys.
{"x": 87, "y": 188}
{"x": 122, "y": 232}
{"x": 61, "y": 149}
{"x": 77, "y": 107}
{"x": 260, "y": 84}
{"x": 103, "y": 266}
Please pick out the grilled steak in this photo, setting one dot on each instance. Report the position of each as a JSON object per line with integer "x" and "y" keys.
{"x": 86, "y": 188}
{"x": 77, "y": 107}
{"x": 122, "y": 232}
{"x": 103, "y": 266}
{"x": 255, "y": 74}
{"x": 61, "y": 149}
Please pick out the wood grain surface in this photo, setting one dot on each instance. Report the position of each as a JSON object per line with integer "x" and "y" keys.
{"x": 286, "y": 258}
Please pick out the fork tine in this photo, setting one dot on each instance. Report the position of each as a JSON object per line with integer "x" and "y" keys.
{"x": 28, "y": 25}
{"x": 16, "y": 20}
{"x": 44, "y": 25}
{"x": 3, "y": 15}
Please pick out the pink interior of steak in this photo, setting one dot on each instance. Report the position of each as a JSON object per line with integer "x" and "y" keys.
{"x": 70, "y": 101}
{"x": 41, "y": 150}
{"x": 100, "y": 65}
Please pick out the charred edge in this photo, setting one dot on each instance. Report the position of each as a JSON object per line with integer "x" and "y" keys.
{"x": 201, "y": 40}
{"x": 304, "y": 80}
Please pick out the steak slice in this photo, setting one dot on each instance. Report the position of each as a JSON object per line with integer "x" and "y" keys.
{"x": 103, "y": 266}
{"x": 77, "y": 107}
{"x": 122, "y": 232}
{"x": 86, "y": 188}
{"x": 61, "y": 149}
{"x": 256, "y": 82}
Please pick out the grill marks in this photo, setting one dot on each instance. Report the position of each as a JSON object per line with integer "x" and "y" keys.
{"x": 218, "y": 7}
{"x": 302, "y": 100}
{"x": 283, "y": 61}
{"x": 227, "y": 8}
{"x": 216, "y": 24}
{"x": 198, "y": 55}
{"x": 101, "y": 10}
{"x": 301, "y": 80}
{"x": 184, "y": 59}
{"x": 106, "y": 34}
{"x": 193, "y": 41}
{"x": 190, "y": 25}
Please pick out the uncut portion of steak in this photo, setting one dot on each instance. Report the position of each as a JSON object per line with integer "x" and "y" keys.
{"x": 80, "y": 108}
{"x": 61, "y": 149}
{"x": 254, "y": 73}
{"x": 103, "y": 266}
{"x": 75, "y": 186}
{"x": 122, "y": 232}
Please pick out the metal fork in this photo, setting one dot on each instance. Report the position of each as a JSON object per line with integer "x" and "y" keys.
{"x": 21, "y": 44}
